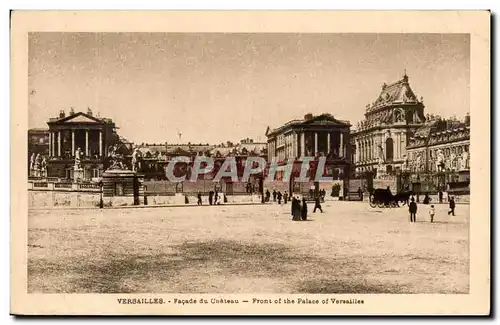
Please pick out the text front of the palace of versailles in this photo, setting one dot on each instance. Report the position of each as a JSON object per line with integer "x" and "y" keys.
{"x": 395, "y": 145}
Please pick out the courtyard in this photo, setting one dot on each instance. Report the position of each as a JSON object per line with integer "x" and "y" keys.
{"x": 350, "y": 248}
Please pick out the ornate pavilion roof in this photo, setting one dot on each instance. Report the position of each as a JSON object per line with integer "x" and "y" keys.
{"x": 395, "y": 93}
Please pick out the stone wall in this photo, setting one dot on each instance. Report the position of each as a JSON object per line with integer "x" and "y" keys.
{"x": 49, "y": 199}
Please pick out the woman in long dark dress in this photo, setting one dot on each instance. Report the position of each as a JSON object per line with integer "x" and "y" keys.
{"x": 295, "y": 209}
{"x": 304, "y": 209}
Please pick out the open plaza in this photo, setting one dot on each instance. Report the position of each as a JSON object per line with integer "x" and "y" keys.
{"x": 350, "y": 248}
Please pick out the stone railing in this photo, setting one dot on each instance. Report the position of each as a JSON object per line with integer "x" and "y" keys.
{"x": 47, "y": 185}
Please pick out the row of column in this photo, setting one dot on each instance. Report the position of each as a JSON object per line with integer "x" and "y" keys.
{"x": 367, "y": 149}
{"x": 56, "y": 150}
{"x": 342, "y": 148}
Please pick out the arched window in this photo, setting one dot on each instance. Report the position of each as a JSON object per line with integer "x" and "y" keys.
{"x": 389, "y": 149}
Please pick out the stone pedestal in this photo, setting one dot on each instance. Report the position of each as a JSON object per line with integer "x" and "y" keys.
{"x": 77, "y": 174}
{"x": 122, "y": 186}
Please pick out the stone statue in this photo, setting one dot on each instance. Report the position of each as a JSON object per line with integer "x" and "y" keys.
{"x": 135, "y": 159}
{"x": 78, "y": 154}
{"x": 418, "y": 161}
{"x": 37, "y": 164}
{"x": 32, "y": 161}
{"x": 453, "y": 159}
{"x": 381, "y": 157}
{"x": 465, "y": 160}
{"x": 405, "y": 163}
{"x": 440, "y": 161}
{"x": 43, "y": 167}
{"x": 115, "y": 159}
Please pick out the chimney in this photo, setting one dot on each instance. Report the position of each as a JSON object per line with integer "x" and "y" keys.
{"x": 308, "y": 116}
{"x": 62, "y": 114}
{"x": 71, "y": 111}
{"x": 89, "y": 111}
{"x": 467, "y": 119}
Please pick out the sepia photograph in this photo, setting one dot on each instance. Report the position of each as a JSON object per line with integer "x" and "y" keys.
{"x": 258, "y": 169}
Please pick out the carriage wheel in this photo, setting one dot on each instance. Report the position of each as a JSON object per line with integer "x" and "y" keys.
{"x": 381, "y": 205}
{"x": 372, "y": 203}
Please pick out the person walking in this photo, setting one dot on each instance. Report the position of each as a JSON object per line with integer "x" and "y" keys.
{"x": 199, "y": 199}
{"x": 413, "y": 210}
{"x": 285, "y": 197}
{"x": 210, "y": 197}
{"x": 216, "y": 197}
{"x": 452, "y": 206}
{"x": 440, "y": 196}
{"x": 304, "y": 209}
{"x": 360, "y": 193}
{"x": 274, "y": 195}
{"x": 432, "y": 212}
{"x": 317, "y": 205}
{"x": 268, "y": 195}
{"x": 280, "y": 196}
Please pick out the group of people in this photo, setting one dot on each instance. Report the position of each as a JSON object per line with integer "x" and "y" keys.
{"x": 299, "y": 210}
{"x": 413, "y": 209}
{"x": 213, "y": 198}
{"x": 277, "y": 196}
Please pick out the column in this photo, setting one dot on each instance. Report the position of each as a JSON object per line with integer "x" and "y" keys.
{"x": 72, "y": 143}
{"x": 356, "y": 157}
{"x": 87, "y": 143}
{"x": 59, "y": 143}
{"x": 328, "y": 143}
{"x": 50, "y": 143}
{"x": 100, "y": 143}
{"x": 53, "y": 144}
{"x": 341, "y": 149}
{"x": 302, "y": 144}
{"x": 315, "y": 143}
{"x": 296, "y": 144}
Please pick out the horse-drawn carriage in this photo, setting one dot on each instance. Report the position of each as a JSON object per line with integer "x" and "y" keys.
{"x": 383, "y": 198}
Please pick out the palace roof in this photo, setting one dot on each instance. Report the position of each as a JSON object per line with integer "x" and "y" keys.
{"x": 79, "y": 117}
{"x": 309, "y": 120}
{"x": 439, "y": 131}
{"x": 395, "y": 93}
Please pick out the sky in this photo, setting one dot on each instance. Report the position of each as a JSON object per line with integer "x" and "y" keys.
{"x": 220, "y": 87}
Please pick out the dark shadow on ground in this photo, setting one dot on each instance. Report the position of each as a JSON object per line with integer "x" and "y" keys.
{"x": 350, "y": 285}
{"x": 193, "y": 266}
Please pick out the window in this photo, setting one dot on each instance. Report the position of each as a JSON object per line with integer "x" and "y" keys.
{"x": 389, "y": 149}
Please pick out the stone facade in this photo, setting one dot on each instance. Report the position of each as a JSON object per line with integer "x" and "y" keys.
{"x": 380, "y": 140}
{"x": 441, "y": 145}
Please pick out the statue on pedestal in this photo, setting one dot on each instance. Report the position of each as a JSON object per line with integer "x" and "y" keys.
{"x": 115, "y": 159}
{"x": 36, "y": 167}
{"x": 43, "y": 167}
{"x": 78, "y": 154}
{"x": 32, "y": 164}
{"x": 135, "y": 159}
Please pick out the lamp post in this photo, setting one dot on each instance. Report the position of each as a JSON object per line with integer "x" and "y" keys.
{"x": 101, "y": 203}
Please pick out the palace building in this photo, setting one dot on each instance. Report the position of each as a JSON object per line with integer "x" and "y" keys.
{"x": 313, "y": 136}
{"x": 441, "y": 145}
{"x": 380, "y": 140}
{"x": 91, "y": 136}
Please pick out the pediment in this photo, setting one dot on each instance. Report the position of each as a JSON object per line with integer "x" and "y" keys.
{"x": 324, "y": 119}
{"x": 80, "y": 118}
